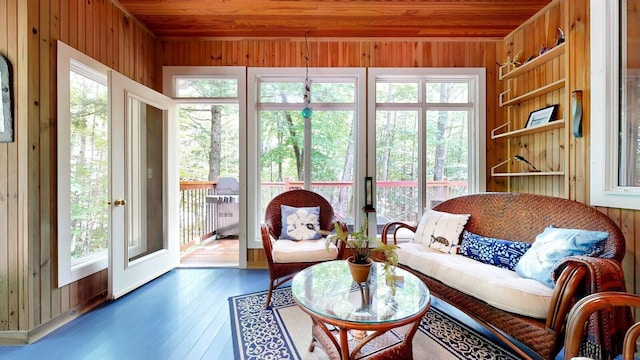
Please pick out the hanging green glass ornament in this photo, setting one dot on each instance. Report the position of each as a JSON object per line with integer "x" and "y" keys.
{"x": 307, "y": 113}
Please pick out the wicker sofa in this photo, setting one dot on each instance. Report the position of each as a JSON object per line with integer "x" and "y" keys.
{"x": 523, "y": 217}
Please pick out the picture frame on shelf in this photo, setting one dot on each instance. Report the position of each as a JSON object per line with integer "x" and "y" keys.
{"x": 542, "y": 116}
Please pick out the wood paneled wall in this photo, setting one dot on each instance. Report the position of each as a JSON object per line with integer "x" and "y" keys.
{"x": 573, "y": 17}
{"x": 30, "y": 300}
{"x": 338, "y": 53}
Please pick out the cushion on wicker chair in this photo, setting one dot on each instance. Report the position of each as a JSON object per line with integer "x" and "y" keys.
{"x": 288, "y": 251}
{"x": 300, "y": 223}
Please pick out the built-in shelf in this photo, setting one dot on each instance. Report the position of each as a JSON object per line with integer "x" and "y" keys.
{"x": 526, "y": 131}
{"x": 531, "y": 173}
{"x": 549, "y": 55}
{"x": 532, "y": 94}
{"x": 495, "y": 172}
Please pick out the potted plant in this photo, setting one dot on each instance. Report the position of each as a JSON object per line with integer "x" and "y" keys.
{"x": 361, "y": 247}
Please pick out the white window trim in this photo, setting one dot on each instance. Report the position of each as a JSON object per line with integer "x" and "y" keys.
{"x": 69, "y": 272}
{"x": 605, "y": 42}
{"x": 253, "y": 76}
{"x": 477, "y": 125}
{"x": 169, "y": 75}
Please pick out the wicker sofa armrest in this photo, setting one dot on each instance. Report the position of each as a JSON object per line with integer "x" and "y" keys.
{"x": 398, "y": 225}
{"x": 579, "y": 276}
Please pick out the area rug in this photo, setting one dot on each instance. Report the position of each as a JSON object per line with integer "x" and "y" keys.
{"x": 284, "y": 332}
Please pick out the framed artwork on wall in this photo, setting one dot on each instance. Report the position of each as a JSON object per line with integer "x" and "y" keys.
{"x": 542, "y": 116}
{"x": 6, "y": 105}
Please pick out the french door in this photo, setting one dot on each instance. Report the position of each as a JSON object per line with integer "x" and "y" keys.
{"x": 144, "y": 186}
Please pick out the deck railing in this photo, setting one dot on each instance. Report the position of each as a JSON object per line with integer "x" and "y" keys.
{"x": 197, "y": 221}
{"x": 197, "y": 217}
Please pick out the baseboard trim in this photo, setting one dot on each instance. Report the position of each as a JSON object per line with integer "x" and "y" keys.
{"x": 33, "y": 335}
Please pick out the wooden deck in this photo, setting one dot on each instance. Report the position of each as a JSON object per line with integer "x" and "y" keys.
{"x": 212, "y": 253}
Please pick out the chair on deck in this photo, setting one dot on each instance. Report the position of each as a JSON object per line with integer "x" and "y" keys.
{"x": 300, "y": 245}
{"x": 591, "y": 304}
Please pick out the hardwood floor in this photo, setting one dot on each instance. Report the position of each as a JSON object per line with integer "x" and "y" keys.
{"x": 184, "y": 314}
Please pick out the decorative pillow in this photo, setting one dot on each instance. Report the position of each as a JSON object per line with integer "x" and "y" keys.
{"x": 441, "y": 230}
{"x": 551, "y": 246}
{"x": 300, "y": 223}
{"x": 498, "y": 252}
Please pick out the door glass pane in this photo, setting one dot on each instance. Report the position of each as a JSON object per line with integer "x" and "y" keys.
{"x": 331, "y": 142}
{"x": 89, "y": 167}
{"x": 282, "y": 141}
{"x": 145, "y": 180}
{"x": 447, "y": 93}
{"x": 447, "y": 155}
{"x": 397, "y": 92}
{"x": 332, "y": 159}
{"x": 397, "y": 165}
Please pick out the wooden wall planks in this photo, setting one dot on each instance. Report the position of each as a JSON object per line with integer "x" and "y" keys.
{"x": 29, "y": 296}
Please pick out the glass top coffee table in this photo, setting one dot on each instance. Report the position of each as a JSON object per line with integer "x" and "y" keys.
{"x": 363, "y": 311}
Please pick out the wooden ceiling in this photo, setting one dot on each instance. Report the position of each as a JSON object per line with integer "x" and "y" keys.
{"x": 188, "y": 19}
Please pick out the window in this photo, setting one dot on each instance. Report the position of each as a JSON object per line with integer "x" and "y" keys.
{"x": 429, "y": 130}
{"x": 83, "y": 165}
{"x": 615, "y": 116}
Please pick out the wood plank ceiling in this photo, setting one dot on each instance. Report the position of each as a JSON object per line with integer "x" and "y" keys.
{"x": 189, "y": 19}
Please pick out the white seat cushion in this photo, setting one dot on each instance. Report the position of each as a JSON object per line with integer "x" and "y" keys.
{"x": 501, "y": 288}
{"x": 287, "y": 251}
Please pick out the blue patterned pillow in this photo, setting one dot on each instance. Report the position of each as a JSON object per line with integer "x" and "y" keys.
{"x": 501, "y": 253}
{"x": 300, "y": 223}
{"x": 553, "y": 245}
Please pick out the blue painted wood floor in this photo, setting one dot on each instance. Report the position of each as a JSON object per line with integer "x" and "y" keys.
{"x": 181, "y": 315}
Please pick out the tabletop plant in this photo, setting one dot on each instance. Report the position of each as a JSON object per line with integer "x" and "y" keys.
{"x": 362, "y": 246}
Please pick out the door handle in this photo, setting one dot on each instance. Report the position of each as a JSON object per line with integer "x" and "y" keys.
{"x": 120, "y": 202}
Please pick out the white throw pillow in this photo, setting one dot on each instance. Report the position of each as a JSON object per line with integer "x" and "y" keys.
{"x": 441, "y": 230}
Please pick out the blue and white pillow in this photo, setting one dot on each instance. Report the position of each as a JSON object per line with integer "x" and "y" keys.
{"x": 498, "y": 252}
{"x": 553, "y": 245}
{"x": 300, "y": 223}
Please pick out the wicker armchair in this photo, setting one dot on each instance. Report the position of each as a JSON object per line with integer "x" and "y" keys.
{"x": 589, "y": 305}
{"x": 281, "y": 272}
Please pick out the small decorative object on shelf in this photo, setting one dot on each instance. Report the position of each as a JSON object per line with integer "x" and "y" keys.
{"x": 542, "y": 116}
{"x": 576, "y": 111}
{"x": 560, "y": 36}
{"x": 522, "y": 158}
{"x": 543, "y": 49}
{"x": 6, "y": 101}
{"x": 515, "y": 62}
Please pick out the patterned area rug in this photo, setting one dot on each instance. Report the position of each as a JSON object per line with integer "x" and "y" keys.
{"x": 284, "y": 332}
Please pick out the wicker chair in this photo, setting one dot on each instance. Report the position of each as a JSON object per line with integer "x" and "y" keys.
{"x": 588, "y": 305}
{"x": 281, "y": 272}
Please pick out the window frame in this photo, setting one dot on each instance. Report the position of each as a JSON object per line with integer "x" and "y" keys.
{"x": 605, "y": 108}
{"x": 68, "y": 270}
